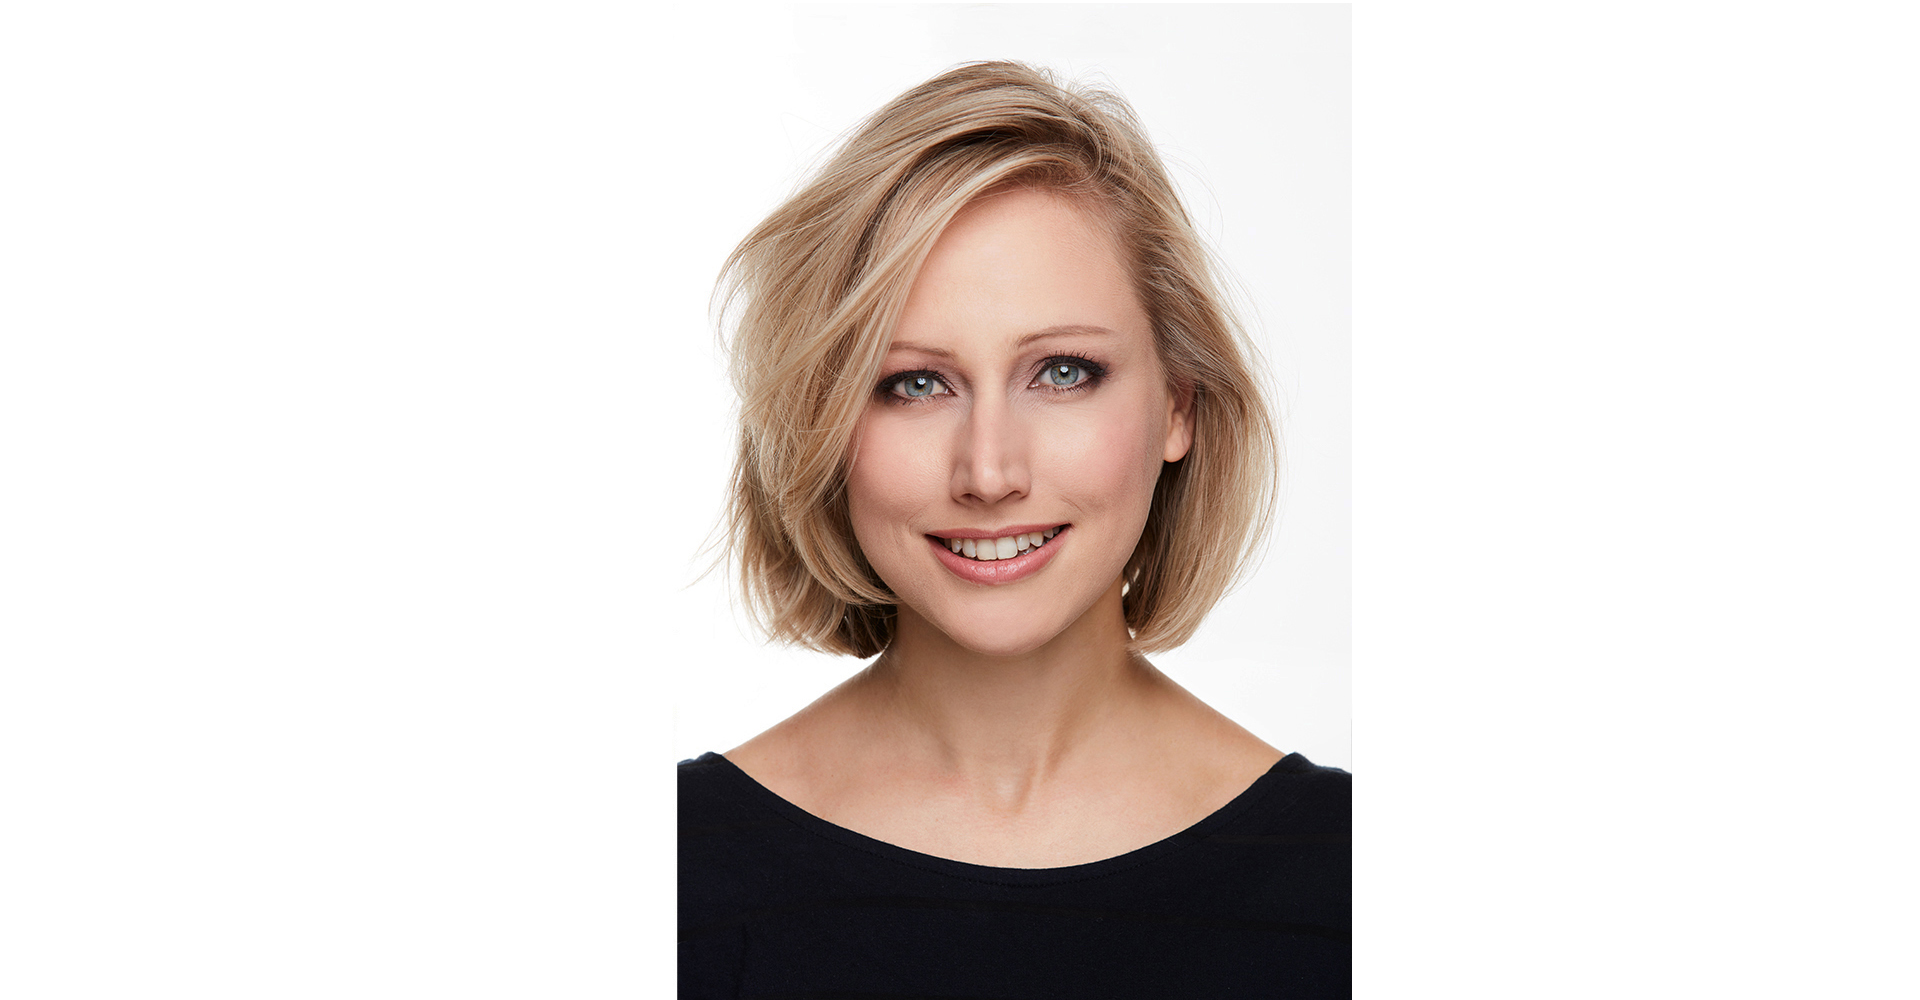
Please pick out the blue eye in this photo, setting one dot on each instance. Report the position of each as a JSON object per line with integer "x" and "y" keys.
{"x": 917, "y": 385}
{"x": 1063, "y": 376}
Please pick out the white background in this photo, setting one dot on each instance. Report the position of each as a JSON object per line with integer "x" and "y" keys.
{"x": 1250, "y": 107}
{"x": 331, "y": 439}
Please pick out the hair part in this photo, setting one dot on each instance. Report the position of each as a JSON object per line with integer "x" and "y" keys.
{"x": 814, "y": 293}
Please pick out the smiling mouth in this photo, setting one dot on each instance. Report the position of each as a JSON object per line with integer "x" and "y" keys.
{"x": 993, "y": 549}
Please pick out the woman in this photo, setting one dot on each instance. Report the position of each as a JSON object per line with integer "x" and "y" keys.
{"x": 998, "y": 430}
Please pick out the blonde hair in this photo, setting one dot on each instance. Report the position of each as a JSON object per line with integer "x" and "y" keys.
{"x": 815, "y": 291}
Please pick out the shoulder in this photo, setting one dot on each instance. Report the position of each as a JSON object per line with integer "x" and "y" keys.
{"x": 803, "y": 757}
{"x": 1305, "y": 786}
{"x": 1287, "y": 847}
{"x": 1298, "y": 803}
{"x": 702, "y": 775}
{"x": 711, "y": 795}
{"x": 1297, "y": 768}
{"x": 727, "y": 835}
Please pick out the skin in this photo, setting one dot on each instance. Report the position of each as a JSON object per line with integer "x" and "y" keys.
{"x": 1008, "y": 725}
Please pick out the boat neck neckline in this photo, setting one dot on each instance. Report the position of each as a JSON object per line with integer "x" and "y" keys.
{"x": 1290, "y": 764}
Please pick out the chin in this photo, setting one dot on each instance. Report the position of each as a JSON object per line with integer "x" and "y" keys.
{"x": 1002, "y": 645}
{"x": 1002, "y": 632}
{"x": 1004, "y": 622}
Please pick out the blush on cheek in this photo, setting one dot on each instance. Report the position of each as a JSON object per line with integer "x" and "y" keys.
{"x": 1121, "y": 462}
{"x": 893, "y": 479}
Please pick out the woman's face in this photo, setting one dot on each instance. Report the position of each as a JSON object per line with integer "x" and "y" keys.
{"x": 1022, "y": 394}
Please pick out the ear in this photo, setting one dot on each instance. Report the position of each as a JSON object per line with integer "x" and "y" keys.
{"x": 1179, "y": 422}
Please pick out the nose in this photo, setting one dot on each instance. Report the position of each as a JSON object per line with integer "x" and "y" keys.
{"x": 990, "y": 462}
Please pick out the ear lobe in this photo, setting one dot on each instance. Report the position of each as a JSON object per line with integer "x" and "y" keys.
{"x": 1179, "y": 423}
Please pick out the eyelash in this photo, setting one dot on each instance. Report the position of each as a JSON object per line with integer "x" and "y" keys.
{"x": 1095, "y": 373}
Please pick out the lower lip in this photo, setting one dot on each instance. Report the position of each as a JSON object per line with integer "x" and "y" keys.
{"x": 999, "y": 570}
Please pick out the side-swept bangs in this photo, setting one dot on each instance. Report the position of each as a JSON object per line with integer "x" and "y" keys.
{"x": 814, "y": 293}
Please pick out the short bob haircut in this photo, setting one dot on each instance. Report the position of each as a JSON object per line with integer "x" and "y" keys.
{"x": 814, "y": 292}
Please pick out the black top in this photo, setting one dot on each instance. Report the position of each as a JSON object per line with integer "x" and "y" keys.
{"x": 1252, "y": 901}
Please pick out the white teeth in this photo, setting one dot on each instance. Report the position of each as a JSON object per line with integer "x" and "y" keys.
{"x": 991, "y": 549}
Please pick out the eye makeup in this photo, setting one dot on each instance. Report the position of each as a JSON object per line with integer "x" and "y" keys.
{"x": 913, "y": 386}
{"x": 919, "y": 385}
{"x": 1092, "y": 373}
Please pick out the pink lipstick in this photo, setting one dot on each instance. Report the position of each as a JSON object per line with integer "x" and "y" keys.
{"x": 998, "y": 571}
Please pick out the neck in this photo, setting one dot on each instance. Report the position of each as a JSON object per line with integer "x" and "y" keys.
{"x": 1011, "y": 722}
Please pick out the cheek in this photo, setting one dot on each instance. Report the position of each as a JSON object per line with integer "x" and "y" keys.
{"x": 1115, "y": 461}
{"x": 893, "y": 473}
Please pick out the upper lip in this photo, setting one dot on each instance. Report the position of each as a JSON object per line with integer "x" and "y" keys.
{"x": 1015, "y": 529}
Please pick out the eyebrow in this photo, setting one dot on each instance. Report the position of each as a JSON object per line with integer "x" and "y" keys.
{"x": 1069, "y": 330}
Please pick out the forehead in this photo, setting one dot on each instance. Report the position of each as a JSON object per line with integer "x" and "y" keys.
{"x": 1016, "y": 262}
